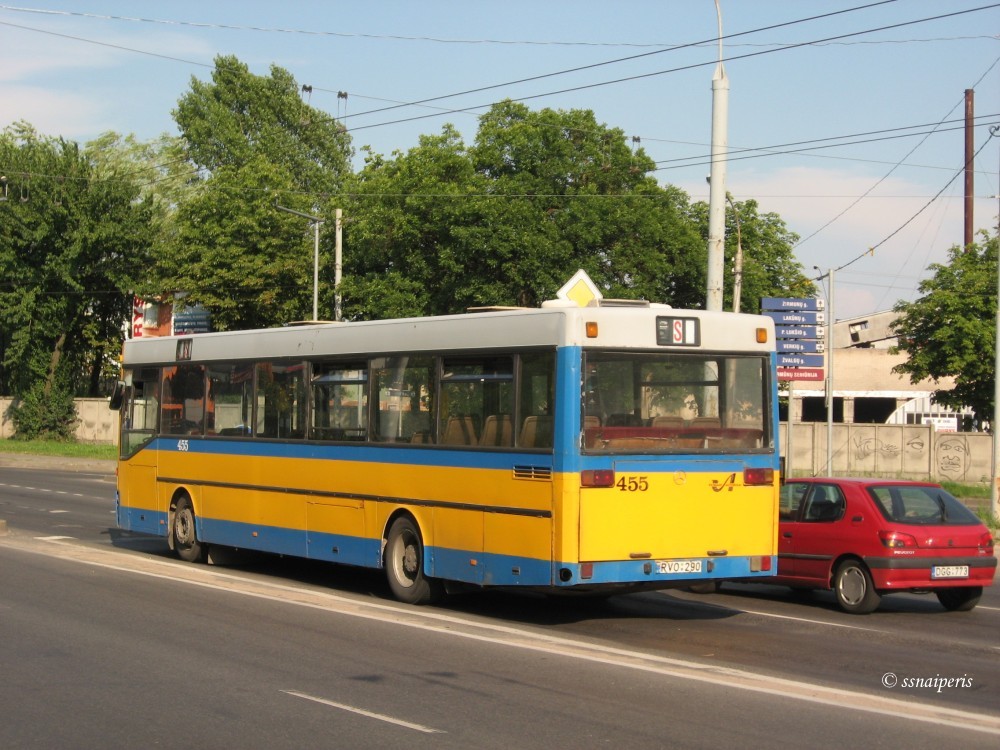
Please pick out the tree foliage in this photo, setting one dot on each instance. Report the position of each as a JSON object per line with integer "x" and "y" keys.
{"x": 950, "y": 330}
{"x": 508, "y": 220}
{"x": 72, "y": 239}
{"x": 256, "y": 142}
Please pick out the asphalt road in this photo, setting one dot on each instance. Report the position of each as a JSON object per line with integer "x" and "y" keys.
{"x": 106, "y": 640}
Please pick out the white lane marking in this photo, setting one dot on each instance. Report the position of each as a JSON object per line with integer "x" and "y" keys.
{"x": 53, "y": 538}
{"x": 510, "y": 636}
{"x": 363, "y": 712}
{"x": 58, "y": 511}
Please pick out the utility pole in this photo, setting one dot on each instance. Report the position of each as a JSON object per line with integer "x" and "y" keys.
{"x": 995, "y": 491}
{"x": 717, "y": 181}
{"x": 738, "y": 263}
{"x": 316, "y": 221}
{"x": 969, "y": 171}
{"x": 337, "y": 264}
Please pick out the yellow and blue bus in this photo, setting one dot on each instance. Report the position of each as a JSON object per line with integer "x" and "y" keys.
{"x": 605, "y": 448}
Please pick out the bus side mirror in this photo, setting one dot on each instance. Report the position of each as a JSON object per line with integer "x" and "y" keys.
{"x": 115, "y": 403}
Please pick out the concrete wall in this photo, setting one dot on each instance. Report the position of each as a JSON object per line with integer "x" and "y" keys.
{"x": 97, "y": 423}
{"x": 894, "y": 451}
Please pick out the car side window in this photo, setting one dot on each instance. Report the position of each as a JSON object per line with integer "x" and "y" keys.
{"x": 791, "y": 500}
{"x": 825, "y": 504}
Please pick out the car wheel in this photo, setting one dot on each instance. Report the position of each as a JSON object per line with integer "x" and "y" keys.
{"x": 404, "y": 565}
{"x": 960, "y": 598}
{"x": 854, "y": 588}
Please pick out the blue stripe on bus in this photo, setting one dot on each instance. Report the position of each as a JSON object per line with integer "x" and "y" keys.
{"x": 468, "y": 457}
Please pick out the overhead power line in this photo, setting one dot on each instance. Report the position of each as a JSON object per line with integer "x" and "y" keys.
{"x": 640, "y": 76}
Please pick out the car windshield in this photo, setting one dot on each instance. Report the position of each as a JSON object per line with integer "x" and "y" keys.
{"x": 921, "y": 505}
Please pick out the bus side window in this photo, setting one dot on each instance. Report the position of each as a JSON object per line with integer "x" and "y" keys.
{"x": 405, "y": 389}
{"x": 537, "y": 399}
{"x": 339, "y": 392}
{"x": 475, "y": 393}
{"x": 230, "y": 400}
{"x": 182, "y": 407}
{"x": 281, "y": 400}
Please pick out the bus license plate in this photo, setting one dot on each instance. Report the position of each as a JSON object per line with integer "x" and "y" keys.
{"x": 678, "y": 566}
{"x": 950, "y": 571}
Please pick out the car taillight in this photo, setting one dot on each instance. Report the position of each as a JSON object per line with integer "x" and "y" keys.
{"x": 597, "y": 478}
{"x": 758, "y": 476}
{"x": 986, "y": 542}
{"x": 896, "y": 539}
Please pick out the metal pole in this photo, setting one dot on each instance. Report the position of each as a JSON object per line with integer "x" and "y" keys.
{"x": 738, "y": 263}
{"x": 995, "y": 491}
{"x": 829, "y": 379}
{"x": 337, "y": 264}
{"x": 316, "y": 220}
{"x": 717, "y": 181}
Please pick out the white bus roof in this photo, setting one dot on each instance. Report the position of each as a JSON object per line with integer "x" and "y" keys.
{"x": 619, "y": 327}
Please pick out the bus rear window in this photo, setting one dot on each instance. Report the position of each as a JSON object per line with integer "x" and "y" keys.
{"x": 675, "y": 403}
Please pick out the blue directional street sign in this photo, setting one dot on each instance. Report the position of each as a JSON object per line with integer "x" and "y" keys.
{"x": 800, "y": 345}
{"x": 794, "y": 303}
{"x": 798, "y": 332}
{"x": 800, "y": 360}
{"x": 791, "y": 317}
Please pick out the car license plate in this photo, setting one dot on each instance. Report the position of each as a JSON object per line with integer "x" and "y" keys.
{"x": 678, "y": 566}
{"x": 950, "y": 571}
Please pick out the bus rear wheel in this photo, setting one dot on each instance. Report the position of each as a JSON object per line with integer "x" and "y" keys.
{"x": 185, "y": 535}
{"x": 404, "y": 565}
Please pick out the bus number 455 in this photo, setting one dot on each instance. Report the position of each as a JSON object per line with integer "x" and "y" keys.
{"x": 632, "y": 484}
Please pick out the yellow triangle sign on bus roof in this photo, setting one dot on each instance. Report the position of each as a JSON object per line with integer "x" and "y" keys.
{"x": 580, "y": 290}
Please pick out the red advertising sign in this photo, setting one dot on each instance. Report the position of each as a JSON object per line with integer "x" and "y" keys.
{"x": 812, "y": 374}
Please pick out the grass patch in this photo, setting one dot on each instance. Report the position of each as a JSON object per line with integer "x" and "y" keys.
{"x": 980, "y": 489}
{"x": 60, "y": 448}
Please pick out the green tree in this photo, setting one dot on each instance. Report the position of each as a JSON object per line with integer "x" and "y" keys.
{"x": 950, "y": 330}
{"x": 444, "y": 227}
{"x": 257, "y": 143}
{"x": 70, "y": 241}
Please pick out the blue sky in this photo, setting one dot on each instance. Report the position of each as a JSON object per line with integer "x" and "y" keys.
{"x": 76, "y": 69}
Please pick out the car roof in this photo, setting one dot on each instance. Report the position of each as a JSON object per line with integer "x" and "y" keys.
{"x": 864, "y": 481}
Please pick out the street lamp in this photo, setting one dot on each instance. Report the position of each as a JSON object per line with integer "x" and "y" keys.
{"x": 316, "y": 221}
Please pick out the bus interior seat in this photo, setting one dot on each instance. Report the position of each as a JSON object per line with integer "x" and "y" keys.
{"x": 668, "y": 422}
{"x": 497, "y": 431}
{"x": 536, "y": 432}
{"x": 706, "y": 423}
{"x": 459, "y": 431}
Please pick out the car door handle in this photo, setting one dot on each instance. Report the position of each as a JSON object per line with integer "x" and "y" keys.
{"x": 787, "y": 534}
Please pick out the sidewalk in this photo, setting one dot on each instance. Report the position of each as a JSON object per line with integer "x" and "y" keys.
{"x": 59, "y": 463}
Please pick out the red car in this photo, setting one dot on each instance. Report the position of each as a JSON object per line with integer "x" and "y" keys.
{"x": 863, "y": 538}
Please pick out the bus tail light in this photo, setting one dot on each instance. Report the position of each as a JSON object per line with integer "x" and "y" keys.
{"x": 758, "y": 476}
{"x": 597, "y": 478}
{"x": 760, "y": 563}
{"x": 761, "y": 335}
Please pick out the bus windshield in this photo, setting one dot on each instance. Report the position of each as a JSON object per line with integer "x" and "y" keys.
{"x": 675, "y": 403}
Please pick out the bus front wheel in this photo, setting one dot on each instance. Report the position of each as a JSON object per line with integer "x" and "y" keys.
{"x": 404, "y": 565}
{"x": 185, "y": 533}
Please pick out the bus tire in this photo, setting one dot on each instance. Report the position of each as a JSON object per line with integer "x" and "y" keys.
{"x": 854, "y": 588}
{"x": 404, "y": 565}
{"x": 185, "y": 535}
{"x": 959, "y": 598}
